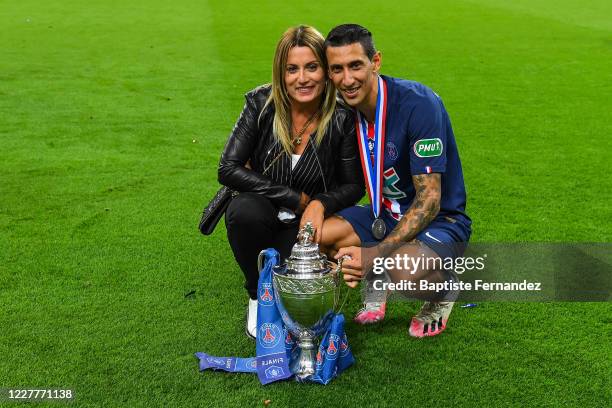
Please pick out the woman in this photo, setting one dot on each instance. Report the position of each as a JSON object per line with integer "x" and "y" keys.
{"x": 292, "y": 157}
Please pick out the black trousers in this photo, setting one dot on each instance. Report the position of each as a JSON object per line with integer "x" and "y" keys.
{"x": 252, "y": 225}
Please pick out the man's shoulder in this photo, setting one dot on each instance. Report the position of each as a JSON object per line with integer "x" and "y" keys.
{"x": 408, "y": 91}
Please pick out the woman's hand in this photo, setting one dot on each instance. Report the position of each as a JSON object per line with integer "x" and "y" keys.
{"x": 304, "y": 200}
{"x": 314, "y": 213}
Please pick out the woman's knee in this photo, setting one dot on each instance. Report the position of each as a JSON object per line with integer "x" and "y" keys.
{"x": 249, "y": 209}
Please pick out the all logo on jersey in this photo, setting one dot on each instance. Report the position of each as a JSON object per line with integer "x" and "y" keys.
{"x": 392, "y": 193}
{"x": 390, "y": 189}
{"x": 391, "y": 151}
{"x": 269, "y": 335}
{"x": 428, "y": 147}
{"x": 266, "y": 297}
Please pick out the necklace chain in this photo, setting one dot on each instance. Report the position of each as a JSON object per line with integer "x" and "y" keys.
{"x": 297, "y": 140}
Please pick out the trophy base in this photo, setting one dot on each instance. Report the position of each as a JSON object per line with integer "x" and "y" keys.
{"x": 303, "y": 367}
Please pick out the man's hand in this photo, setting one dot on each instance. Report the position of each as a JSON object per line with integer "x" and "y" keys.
{"x": 314, "y": 213}
{"x": 352, "y": 271}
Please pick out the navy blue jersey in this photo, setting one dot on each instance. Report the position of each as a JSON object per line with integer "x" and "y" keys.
{"x": 419, "y": 140}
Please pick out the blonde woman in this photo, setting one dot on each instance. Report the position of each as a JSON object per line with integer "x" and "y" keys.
{"x": 292, "y": 156}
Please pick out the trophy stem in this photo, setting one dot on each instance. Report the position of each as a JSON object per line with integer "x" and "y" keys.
{"x": 304, "y": 366}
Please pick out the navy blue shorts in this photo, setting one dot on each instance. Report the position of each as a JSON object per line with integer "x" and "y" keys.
{"x": 448, "y": 237}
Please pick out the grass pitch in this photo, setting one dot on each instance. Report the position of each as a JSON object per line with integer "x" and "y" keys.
{"x": 112, "y": 119}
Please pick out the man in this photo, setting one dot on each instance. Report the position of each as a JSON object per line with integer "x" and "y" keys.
{"x": 413, "y": 173}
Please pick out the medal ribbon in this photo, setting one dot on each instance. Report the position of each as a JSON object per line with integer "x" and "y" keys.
{"x": 373, "y": 172}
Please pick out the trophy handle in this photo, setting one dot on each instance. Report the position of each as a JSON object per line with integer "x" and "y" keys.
{"x": 338, "y": 277}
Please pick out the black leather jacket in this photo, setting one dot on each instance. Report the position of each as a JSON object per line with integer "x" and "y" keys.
{"x": 252, "y": 139}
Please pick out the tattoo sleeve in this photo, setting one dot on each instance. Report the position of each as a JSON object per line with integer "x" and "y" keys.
{"x": 423, "y": 210}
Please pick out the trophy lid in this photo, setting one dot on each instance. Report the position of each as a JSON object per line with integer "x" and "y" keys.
{"x": 305, "y": 257}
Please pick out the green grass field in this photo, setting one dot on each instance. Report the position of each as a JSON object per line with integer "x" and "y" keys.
{"x": 112, "y": 119}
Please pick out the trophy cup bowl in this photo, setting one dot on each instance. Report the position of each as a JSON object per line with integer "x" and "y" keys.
{"x": 307, "y": 294}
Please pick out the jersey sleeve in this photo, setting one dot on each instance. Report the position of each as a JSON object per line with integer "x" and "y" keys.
{"x": 427, "y": 134}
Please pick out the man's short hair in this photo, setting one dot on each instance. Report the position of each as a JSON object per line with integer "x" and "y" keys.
{"x": 346, "y": 34}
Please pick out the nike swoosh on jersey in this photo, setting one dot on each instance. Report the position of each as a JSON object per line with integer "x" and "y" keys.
{"x": 432, "y": 237}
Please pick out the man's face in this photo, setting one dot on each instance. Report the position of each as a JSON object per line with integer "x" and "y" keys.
{"x": 353, "y": 73}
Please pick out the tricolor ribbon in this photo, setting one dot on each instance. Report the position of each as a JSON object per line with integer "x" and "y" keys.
{"x": 373, "y": 171}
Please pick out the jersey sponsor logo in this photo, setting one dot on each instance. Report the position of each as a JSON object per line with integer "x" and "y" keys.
{"x": 428, "y": 147}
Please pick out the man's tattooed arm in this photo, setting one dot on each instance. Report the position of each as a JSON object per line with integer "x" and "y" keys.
{"x": 423, "y": 210}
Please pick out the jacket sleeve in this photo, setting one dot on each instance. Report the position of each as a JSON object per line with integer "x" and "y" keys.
{"x": 240, "y": 146}
{"x": 350, "y": 186}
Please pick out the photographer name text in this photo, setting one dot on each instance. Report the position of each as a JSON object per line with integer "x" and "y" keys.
{"x": 449, "y": 285}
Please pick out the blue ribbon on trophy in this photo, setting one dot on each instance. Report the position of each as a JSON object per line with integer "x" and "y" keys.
{"x": 286, "y": 340}
{"x": 230, "y": 364}
{"x": 272, "y": 357}
{"x": 334, "y": 354}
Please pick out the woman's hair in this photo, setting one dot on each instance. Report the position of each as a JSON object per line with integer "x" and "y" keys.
{"x": 300, "y": 36}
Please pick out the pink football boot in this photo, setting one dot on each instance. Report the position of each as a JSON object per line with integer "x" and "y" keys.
{"x": 372, "y": 312}
{"x": 431, "y": 319}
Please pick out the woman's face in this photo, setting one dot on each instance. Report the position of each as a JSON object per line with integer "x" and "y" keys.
{"x": 304, "y": 76}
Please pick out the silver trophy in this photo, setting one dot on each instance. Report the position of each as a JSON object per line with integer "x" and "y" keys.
{"x": 307, "y": 291}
